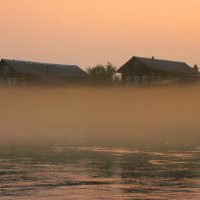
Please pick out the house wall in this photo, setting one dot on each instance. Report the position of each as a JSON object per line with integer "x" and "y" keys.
{"x": 136, "y": 74}
{"x": 8, "y": 77}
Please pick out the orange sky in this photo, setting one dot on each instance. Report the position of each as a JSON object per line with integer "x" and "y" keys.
{"x": 89, "y": 32}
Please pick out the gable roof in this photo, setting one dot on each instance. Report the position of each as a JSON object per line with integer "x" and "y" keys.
{"x": 41, "y": 70}
{"x": 162, "y": 65}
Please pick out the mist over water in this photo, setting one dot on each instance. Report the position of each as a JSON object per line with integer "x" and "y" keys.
{"x": 99, "y": 143}
{"x": 100, "y": 116}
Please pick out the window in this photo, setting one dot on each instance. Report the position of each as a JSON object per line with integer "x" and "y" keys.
{"x": 9, "y": 81}
{"x": 1, "y": 81}
{"x": 136, "y": 80}
{"x": 128, "y": 80}
{"x": 14, "y": 81}
{"x": 144, "y": 80}
{"x": 158, "y": 78}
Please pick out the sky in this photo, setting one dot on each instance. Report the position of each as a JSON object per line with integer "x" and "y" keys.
{"x": 90, "y": 32}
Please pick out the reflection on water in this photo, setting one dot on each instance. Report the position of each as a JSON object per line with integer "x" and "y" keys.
{"x": 61, "y": 172}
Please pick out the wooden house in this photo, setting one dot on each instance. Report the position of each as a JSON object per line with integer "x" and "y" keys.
{"x": 15, "y": 72}
{"x": 150, "y": 71}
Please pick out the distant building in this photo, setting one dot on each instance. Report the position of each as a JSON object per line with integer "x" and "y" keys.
{"x": 150, "y": 71}
{"x": 15, "y": 72}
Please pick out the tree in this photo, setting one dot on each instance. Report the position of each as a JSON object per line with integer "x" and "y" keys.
{"x": 196, "y": 68}
{"x": 102, "y": 74}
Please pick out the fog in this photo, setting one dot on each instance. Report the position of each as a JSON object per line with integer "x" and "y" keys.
{"x": 99, "y": 116}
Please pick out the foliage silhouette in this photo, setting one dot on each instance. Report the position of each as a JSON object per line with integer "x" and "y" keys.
{"x": 103, "y": 75}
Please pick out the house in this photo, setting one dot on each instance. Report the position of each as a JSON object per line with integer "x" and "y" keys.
{"x": 150, "y": 71}
{"x": 15, "y": 72}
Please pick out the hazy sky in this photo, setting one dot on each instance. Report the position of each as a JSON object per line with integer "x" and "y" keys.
{"x": 89, "y": 32}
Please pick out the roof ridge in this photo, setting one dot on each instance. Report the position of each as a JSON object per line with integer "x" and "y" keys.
{"x": 155, "y": 59}
{"x": 34, "y": 62}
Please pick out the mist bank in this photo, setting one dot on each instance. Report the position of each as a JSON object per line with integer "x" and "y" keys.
{"x": 99, "y": 116}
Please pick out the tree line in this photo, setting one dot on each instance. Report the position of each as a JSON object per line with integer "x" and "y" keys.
{"x": 103, "y": 74}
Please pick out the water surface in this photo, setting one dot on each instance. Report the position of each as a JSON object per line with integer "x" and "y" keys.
{"x": 61, "y": 172}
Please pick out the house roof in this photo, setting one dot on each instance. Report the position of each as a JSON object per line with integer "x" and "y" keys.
{"x": 162, "y": 65}
{"x": 41, "y": 70}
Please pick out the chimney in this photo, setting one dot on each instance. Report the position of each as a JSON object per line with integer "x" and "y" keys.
{"x": 153, "y": 58}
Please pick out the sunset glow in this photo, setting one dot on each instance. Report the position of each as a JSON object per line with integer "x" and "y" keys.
{"x": 96, "y": 31}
